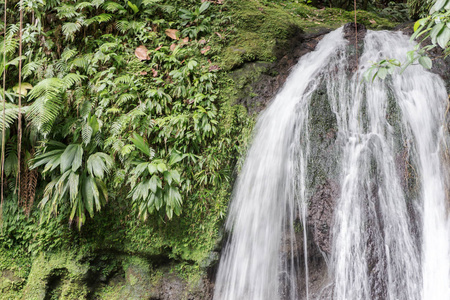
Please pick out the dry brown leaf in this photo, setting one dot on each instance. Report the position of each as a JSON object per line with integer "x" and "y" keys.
{"x": 202, "y": 42}
{"x": 155, "y": 73}
{"x": 143, "y": 73}
{"x": 141, "y": 53}
{"x": 372, "y": 21}
{"x": 185, "y": 40}
{"x": 214, "y": 68}
{"x": 219, "y": 35}
{"x": 206, "y": 49}
{"x": 172, "y": 33}
{"x": 159, "y": 47}
{"x": 172, "y": 47}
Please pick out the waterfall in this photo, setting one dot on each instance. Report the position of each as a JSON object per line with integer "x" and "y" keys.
{"x": 390, "y": 232}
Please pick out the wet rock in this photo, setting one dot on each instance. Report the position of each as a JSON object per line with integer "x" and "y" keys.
{"x": 259, "y": 82}
{"x": 353, "y": 33}
{"x": 320, "y": 214}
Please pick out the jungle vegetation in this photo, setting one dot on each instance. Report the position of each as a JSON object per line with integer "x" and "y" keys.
{"x": 119, "y": 121}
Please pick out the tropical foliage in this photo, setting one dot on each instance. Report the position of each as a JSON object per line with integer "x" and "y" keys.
{"x": 119, "y": 96}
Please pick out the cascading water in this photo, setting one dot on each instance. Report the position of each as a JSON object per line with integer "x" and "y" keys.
{"x": 391, "y": 237}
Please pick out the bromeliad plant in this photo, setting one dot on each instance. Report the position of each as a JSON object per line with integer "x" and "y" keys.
{"x": 77, "y": 179}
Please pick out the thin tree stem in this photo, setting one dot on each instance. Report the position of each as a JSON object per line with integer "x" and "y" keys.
{"x": 19, "y": 124}
{"x": 3, "y": 115}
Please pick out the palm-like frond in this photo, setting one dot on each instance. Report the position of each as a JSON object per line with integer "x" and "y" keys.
{"x": 114, "y": 7}
{"x": 67, "y": 11}
{"x": 98, "y": 164}
{"x": 11, "y": 114}
{"x": 97, "y": 3}
{"x": 71, "y": 79}
{"x": 82, "y": 5}
{"x": 83, "y": 188}
{"x": 31, "y": 68}
{"x": 47, "y": 103}
{"x": 68, "y": 53}
{"x": 70, "y": 28}
{"x": 101, "y": 18}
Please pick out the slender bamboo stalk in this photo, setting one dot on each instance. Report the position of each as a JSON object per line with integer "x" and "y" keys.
{"x": 3, "y": 115}
{"x": 19, "y": 124}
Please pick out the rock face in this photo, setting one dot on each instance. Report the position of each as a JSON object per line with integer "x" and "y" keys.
{"x": 260, "y": 88}
{"x": 260, "y": 81}
{"x": 108, "y": 276}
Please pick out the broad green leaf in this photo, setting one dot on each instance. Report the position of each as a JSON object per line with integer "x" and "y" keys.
{"x": 175, "y": 176}
{"x": 426, "y": 62}
{"x": 73, "y": 186}
{"x": 46, "y": 157}
{"x": 153, "y": 183}
{"x": 417, "y": 25}
{"x": 162, "y": 167}
{"x": 88, "y": 195}
{"x": 152, "y": 169}
{"x": 382, "y": 73}
{"x": 140, "y": 168}
{"x": 204, "y": 6}
{"x": 436, "y": 31}
{"x": 438, "y": 5}
{"x": 133, "y": 7}
{"x": 142, "y": 145}
{"x": 443, "y": 37}
{"x": 410, "y": 55}
{"x": 167, "y": 177}
{"x": 24, "y": 87}
{"x": 98, "y": 164}
{"x": 71, "y": 157}
{"x": 102, "y": 189}
{"x": 175, "y": 157}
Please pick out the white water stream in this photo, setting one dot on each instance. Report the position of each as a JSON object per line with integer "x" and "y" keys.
{"x": 391, "y": 237}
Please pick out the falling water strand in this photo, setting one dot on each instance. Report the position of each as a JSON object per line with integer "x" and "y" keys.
{"x": 264, "y": 201}
{"x": 390, "y": 236}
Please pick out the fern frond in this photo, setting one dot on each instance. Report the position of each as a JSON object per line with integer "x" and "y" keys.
{"x": 31, "y": 68}
{"x": 70, "y": 79}
{"x": 86, "y": 134}
{"x": 167, "y": 8}
{"x": 106, "y": 47}
{"x": 83, "y": 5}
{"x": 9, "y": 44}
{"x": 97, "y": 3}
{"x": 124, "y": 98}
{"x": 11, "y": 114}
{"x": 47, "y": 104}
{"x": 67, "y": 11}
{"x": 82, "y": 61}
{"x": 124, "y": 26}
{"x": 113, "y": 7}
{"x": 125, "y": 79}
{"x": 99, "y": 19}
{"x": 69, "y": 30}
{"x": 68, "y": 53}
{"x": 146, "y": 3}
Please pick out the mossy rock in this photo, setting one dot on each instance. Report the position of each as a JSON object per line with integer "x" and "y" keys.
{"x": 57, "y": 275}
{"x": 262, "y": 27}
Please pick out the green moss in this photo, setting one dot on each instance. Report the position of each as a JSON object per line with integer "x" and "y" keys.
{"x": 65, "y": 267}
{"x": 260, "y": 27}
